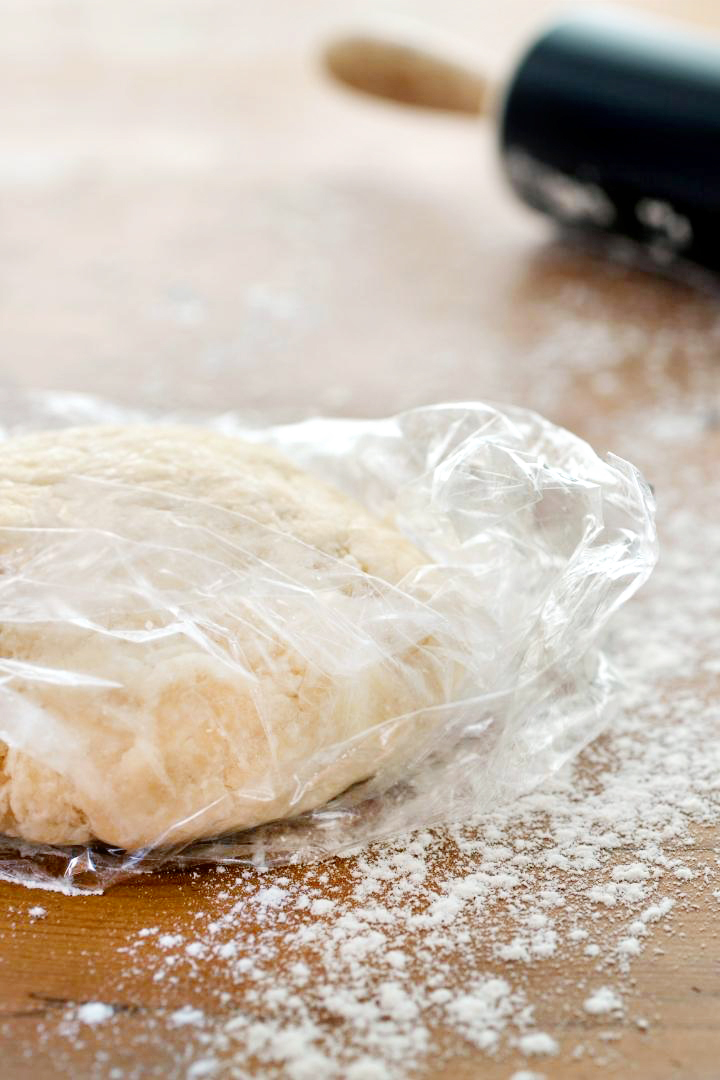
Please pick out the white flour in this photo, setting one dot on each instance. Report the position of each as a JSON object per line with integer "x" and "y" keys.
{"x": 94, "y": 1012}
{"x": 602, "y": 1001}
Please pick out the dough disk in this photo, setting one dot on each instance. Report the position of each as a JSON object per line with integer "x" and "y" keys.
{"x": 222, "y": 616}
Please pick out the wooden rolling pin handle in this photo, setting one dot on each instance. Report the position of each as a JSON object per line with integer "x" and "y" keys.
{"x": 410, "y": 66}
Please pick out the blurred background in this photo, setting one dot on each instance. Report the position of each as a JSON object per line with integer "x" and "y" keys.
{"x": 193, "y": 214}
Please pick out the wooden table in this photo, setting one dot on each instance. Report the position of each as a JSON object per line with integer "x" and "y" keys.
{"x": 192, "y": 215}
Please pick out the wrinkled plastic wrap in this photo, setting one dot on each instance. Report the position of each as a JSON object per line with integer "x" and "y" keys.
{"x": 532, "y": 542}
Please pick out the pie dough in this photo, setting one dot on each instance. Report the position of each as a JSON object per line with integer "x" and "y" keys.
{"x": 196, "y": 637}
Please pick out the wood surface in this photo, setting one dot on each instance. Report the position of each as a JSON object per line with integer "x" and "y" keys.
{"x": 193, "y": 215}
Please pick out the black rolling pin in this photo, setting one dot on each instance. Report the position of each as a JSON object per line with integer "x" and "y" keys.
{"x": 610, "y": 122}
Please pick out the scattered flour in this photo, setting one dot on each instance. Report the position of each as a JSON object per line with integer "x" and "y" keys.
{"x": 603, "y": 1001}
{"x": 186, "y": 1015}
{"x": 538, "y": 1042}
{"x": 94, "y": 1012}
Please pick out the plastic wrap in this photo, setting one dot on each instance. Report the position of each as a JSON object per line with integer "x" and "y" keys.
{"x": 530, "y": 543}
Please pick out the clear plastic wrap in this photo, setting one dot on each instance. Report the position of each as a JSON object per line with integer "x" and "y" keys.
{"x": 531, "y": 543}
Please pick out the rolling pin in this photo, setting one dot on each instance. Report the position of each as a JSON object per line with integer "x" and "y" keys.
{"x": 609, "y": 123}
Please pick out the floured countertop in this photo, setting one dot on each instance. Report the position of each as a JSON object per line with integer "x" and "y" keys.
{"x": 193, "y": 216}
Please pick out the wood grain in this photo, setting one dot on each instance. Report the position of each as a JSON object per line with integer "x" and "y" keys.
{"x": 193, "y": 215}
